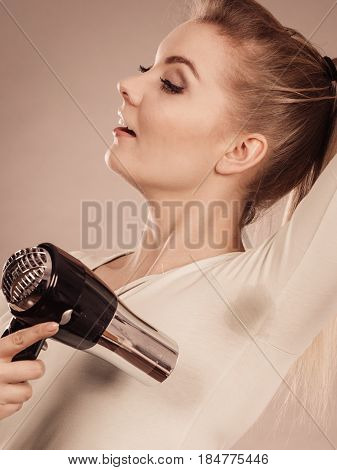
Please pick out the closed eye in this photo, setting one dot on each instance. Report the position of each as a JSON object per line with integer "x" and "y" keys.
{"x": 167, "y": 86}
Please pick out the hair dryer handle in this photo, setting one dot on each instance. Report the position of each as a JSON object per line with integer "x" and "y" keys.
{"x": 29, "y": 353}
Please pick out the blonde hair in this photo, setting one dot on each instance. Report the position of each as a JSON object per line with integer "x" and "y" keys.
{"x": 275, "y": 71}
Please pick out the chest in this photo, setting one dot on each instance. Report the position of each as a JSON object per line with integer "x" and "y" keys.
{"x": 114, "y": 279}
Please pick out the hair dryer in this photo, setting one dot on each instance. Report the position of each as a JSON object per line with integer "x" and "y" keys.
{"x": 45, "y": 283}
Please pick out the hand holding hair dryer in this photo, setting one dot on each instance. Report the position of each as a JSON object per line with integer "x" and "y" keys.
{"x": 45, "y": 283}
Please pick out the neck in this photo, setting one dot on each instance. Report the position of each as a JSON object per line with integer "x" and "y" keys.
{"x": 178, "y": 233}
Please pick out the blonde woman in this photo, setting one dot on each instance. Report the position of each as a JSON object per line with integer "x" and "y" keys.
{"x": 240, "y": 109}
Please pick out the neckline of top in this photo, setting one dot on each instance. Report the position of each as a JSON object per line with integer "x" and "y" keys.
{"x": 147, "y": 277}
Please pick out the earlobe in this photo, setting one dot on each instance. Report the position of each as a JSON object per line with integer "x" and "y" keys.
{"x": 223, "y": 166}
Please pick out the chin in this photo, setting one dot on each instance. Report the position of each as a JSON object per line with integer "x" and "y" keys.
{"x": 114, "y": 165}
{"x": 107, "y": 157}
{"x": 112, "y": 161}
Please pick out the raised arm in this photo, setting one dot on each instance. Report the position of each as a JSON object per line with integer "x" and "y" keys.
{"x": 285, "y": 289}
{"x": 298, "y": 268}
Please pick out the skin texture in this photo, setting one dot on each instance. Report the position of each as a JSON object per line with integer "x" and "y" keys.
{"x": 186, "y": 149}
{"x": 15, "y": 389}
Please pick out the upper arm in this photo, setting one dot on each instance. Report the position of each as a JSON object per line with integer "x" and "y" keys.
{"x": 285, "y": 290}
{"x": 298, "y": 266}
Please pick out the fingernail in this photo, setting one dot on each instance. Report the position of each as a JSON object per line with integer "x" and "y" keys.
{"x": 52, "y": 326}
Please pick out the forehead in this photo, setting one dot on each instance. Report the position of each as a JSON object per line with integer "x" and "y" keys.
{"x": 199, "y": 43}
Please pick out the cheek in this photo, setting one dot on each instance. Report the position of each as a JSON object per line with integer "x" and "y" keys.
{"x": 181, "y": 159}
{"x": 177, "y": 131}
{"x": 178, "y": 146}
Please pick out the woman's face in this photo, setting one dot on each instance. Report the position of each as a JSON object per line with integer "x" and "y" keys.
{"x": 180, "y": 136}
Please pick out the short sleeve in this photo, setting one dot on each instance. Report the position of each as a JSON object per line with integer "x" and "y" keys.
{"x": 297, "y": 269}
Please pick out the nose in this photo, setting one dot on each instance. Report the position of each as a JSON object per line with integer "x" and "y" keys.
{"x": 122, "y": 89}
{"x": 125, "y": 92}
{"x": 131, "y": 89}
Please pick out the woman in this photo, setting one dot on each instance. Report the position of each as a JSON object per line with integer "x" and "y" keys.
{"x": 248, "y": 120}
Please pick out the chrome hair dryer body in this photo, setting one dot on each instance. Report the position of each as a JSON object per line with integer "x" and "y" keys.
{"x": 45, "y": 283}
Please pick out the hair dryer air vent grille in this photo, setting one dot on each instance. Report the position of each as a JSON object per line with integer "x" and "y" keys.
{"x": 23, "y": 274}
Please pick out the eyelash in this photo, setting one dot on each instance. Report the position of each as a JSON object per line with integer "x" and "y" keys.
{"x": 166, "y": 86}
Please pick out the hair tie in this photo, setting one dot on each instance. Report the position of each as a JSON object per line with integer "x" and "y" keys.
{"x": 331, "y": 68}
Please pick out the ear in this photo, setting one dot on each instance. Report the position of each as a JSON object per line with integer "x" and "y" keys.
{"x": 245, "y": 153}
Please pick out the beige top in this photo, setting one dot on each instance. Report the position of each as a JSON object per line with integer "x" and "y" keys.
{"x": 240, "y": 319}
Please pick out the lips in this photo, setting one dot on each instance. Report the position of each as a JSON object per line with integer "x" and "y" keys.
{"x": 130, "y": 131}
{"x": 124, "y": 131}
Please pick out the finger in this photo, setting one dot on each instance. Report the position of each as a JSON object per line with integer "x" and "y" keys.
{"x": 15, "y": 342}
{"x": 18, "y": 393}
{"x": 21, "y": 371}
{"x": 8, "y": 410}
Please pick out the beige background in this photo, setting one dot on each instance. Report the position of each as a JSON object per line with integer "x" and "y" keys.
{"x": 60, "y": 63}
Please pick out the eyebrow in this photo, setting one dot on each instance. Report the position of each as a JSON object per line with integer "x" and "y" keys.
{"x": 177, "y": 59}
